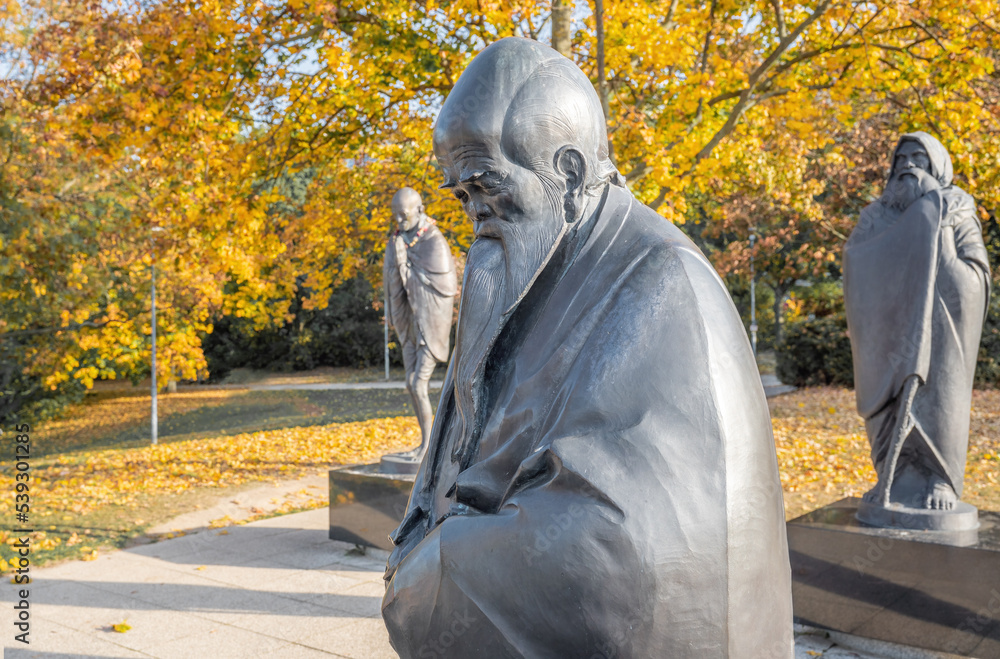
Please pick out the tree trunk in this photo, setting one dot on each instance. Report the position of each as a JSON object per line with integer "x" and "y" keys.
{"x": 561, "y": 22}
{"x": 602, "y": 83}
{"x": 171, "y": 386}
{"x": 779, "y": 322}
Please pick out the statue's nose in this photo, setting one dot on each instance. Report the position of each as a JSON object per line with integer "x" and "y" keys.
{"x": 482, "y": 211}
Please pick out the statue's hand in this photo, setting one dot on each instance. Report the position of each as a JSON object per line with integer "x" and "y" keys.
{"x": 949, "y": 251}
{"x": 925, "y": 181}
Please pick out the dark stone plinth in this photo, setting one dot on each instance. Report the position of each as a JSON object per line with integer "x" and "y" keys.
{"x": 366, "y": 505}
{"x": 907, "y": 587}
{"x": 397, "y": 463}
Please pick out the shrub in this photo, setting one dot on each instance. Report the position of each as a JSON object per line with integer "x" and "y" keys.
{"x": 988, "y": 365}
{"x": 348, "y": 332}
{"x": 819, "y": 351}
{"x": 23, "y": 395}
{"x": 816, "y": 352}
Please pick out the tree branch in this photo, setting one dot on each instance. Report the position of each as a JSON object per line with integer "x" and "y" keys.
{"x": 745, "y": 101}
{"x": 779, "y": 18}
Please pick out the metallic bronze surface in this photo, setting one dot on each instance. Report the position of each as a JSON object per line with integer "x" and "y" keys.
{"x": 916, "y": 286}
{"x": 420, "y": 286}
{"x": 601, "y": 477}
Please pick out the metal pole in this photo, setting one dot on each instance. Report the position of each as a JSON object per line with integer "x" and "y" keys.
{"x": 753, "y": 299}
{"x": 385, "y": 324}
{"x": 153, "y": 412}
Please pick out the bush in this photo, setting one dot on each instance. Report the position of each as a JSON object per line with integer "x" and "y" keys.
{"x": 818, "y": 299}
{"x": 348, "y": 332}
{"x": 988, "y": 365}
{"x": 23, "y": 396}
{"x": 816, "y": 352}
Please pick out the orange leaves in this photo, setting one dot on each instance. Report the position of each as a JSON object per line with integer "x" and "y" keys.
{"x": 823, "y": 452}
{"x": 191, "y": 116}
{"x": 82, "y": 482}
{"x": 96, "y": 483}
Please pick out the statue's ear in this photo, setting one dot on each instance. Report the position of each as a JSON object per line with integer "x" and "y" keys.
{"x": 569, "y": 162}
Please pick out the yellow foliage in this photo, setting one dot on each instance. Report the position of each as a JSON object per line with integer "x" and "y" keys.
{"x": 86, "y": 482}
{"x": 823, "y": 452}
{"x": 263, "y": 141}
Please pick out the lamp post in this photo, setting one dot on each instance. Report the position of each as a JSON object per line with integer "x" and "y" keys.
{"x": 153, "y": 417}
{"x": 753, "y": 298}
{"x": 385, "y": 325}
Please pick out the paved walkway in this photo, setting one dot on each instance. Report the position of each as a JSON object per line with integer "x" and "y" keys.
{"x": 312, "y": 386}
{"x": 276, "y": 587}
{"x": 772, "y": 386}
{"x": 775, "y": 387}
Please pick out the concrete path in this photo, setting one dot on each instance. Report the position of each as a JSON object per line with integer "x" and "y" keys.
{"x": 273, "y": 588}
{"x": 313, "y": 386}
{"x": 772, "y": 386}
{"x": 775, "y": 387}
{"x": 277, "y": 588}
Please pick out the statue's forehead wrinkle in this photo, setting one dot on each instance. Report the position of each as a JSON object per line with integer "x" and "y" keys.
{"x": 465, "y": 161}
{"x": 468, "y": 151}
{"x": 911, "y": 147}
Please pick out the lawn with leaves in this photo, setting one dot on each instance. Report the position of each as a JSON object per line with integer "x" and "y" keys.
{"x": 98, "y": 483}
{"x": 823, "y": 452}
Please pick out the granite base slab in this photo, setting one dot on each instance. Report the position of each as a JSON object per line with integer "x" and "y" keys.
{"x": 896, "y": 585}
{"x": 367, "y": 505}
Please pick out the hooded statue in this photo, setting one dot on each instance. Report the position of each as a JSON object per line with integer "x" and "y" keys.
{"x": 916, "y": 286}
{"x": 601, "y": 477}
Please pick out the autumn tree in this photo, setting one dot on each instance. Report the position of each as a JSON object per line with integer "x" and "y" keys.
{"x": 189, "y": 117}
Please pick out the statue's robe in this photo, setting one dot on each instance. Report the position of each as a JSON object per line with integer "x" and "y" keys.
{"x": 421, "y": 285}
{"x": 619, "y": 496}
{"x": 916, "y": 286}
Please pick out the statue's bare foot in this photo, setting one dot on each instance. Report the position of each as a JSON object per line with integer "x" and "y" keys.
{"x": 940, "y": 495}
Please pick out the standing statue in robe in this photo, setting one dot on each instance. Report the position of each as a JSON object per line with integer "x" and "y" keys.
{"x": 420, "y": 284}
{"x": 601, "y": 478}
{"x": 916, "y": 287}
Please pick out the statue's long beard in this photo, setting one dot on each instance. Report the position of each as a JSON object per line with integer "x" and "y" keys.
{"x": 901, "y": 192}
{"x": 498, "y": 272}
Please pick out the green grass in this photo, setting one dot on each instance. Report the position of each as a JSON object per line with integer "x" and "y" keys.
{"x": 93, "y": 425}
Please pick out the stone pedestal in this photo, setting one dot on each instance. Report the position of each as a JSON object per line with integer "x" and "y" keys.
{"x": 399, "y": 464}
{"x": 911, "y": 587}
{"x": 367, "y": 505}
{"x": 958, "y": 526}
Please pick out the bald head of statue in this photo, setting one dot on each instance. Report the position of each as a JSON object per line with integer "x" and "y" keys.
{"x": 407, "y": 209}
{"x": 522, "y": 137}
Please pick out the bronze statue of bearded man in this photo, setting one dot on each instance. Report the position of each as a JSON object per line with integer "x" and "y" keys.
{"x": 601, "y": 478}
{"x": 916, "y": 286}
